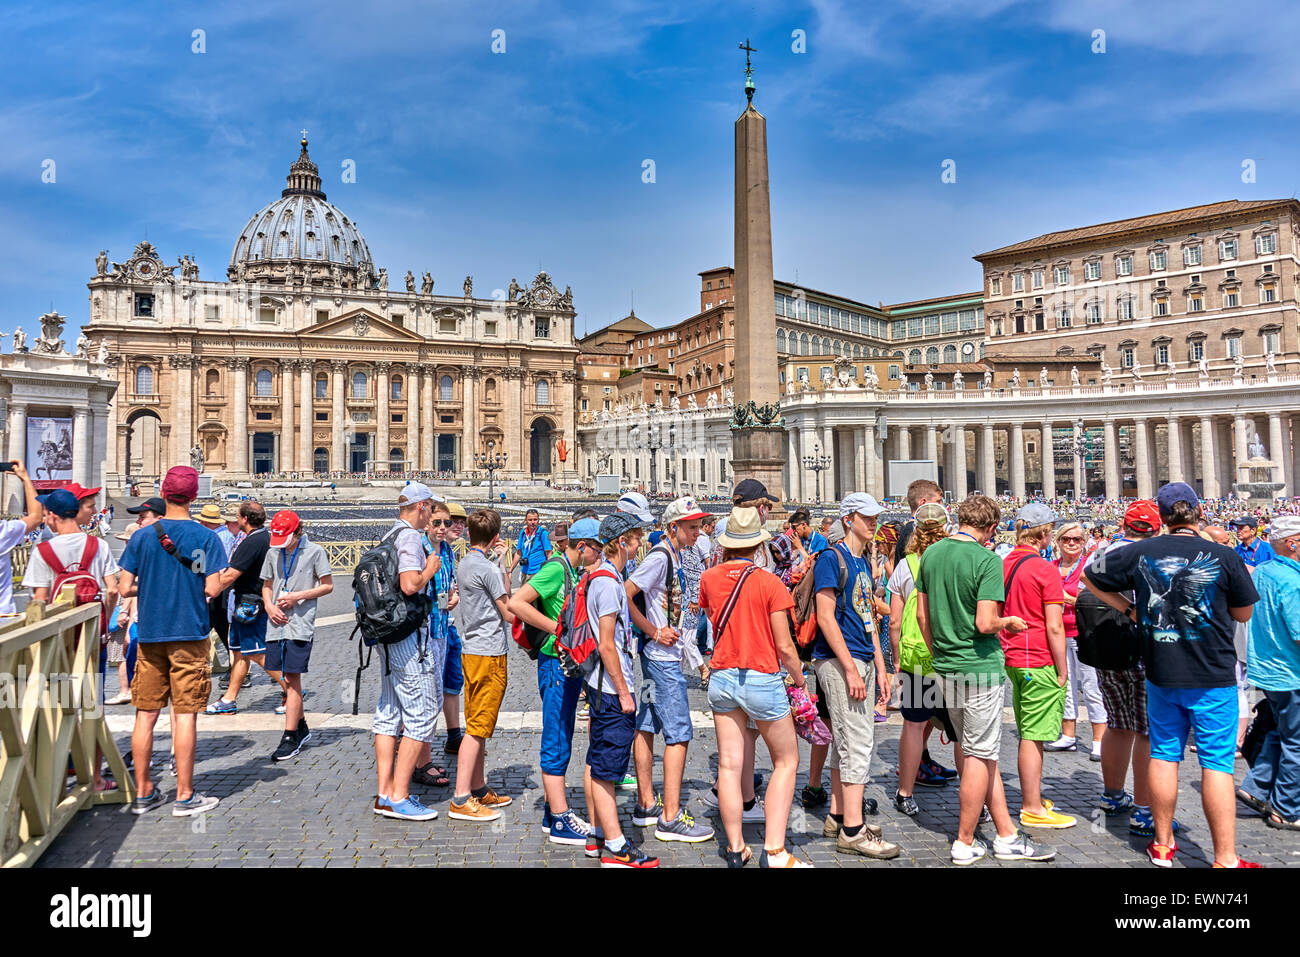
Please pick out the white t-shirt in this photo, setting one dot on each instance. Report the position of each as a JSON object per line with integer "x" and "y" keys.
{"x": 651, "y": 576}
{"x": 607, "y": 596}
{"x": 410, "y": 550}
{"x": 12, "y": 534}
{"x": 901, "y": 583}
{"x": 68, "y": 549}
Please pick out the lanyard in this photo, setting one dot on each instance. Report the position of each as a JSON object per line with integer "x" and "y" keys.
{"x": 290, "y": 561}
{"x": 968, "y": 535}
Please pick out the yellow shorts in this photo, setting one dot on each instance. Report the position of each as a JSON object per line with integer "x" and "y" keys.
{"x": 485, "y": 687}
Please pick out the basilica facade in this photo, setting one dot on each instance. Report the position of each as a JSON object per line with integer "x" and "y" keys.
{"x": 304, "y": 362}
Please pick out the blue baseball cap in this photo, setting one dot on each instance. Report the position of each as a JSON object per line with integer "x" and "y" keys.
{"x": 616, "y": 524}
{"x": 1169, "y": 495}
{"x": 584, "y": 529}
{"x": 61, "y": 502}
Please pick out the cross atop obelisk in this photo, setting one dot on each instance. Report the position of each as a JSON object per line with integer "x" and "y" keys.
{"x": 749, "y": 71}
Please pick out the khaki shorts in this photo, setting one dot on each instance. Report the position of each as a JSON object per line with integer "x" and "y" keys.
{"x": 175, "y": 672}
{"x": 853, "y": 723}
{"x": 485, "y": 687}
{"x": 975, "y": 707}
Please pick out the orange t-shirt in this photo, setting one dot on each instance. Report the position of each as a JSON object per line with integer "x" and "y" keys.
{"x": 747, "y": 642}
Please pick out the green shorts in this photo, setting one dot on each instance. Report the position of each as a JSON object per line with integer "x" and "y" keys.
{"x": 1038, "y": 701}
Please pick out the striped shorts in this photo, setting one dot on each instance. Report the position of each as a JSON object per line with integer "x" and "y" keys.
{"x": 1125, "y": 695}
{"x": 409, "y": 697}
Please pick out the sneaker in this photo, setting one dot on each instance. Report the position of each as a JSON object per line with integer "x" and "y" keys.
{"x": 646, "y": 816}
{"x": 986, "y": 816}
{"x": 381, "y": 801}
{"x": 1022, "y": 847}
{"x": 1142, "y": 823}
{"x": 906, "y": 804}
{"x": 283, "y": 705}
{"x": 196, "y": 803}
{"x": 963, "y": 854}
{"x": 628, "y": 783}
{"x": 290, "y": 744}
{"x": 1060, "y": 744}
{"x": 409, "y": 810}
{"x": 1096, "y": 751}
{"x": 547, "y": 817}
{"x": 595, "y": 844}
{"x": 1162, "y": 855}
{"x": 584, "y": 712}
{"x": 814, "y": 797}
{"x": 568, "y": 828}
{"x": 1115, "y": 805}
{"x": 494, "y": 800}
{"x": 472, "y": 810}
{"x": 224, "y": 682}
{"x": 1049, "y": 818}
{"x": 867, "y": 844}
{"x": 122, "y": 698}
{"x": 222, "y": 706}
{"x": 454, "y": 738}
{"x": 1240, "y": 863}
{"x": 710, "y": 798}
{"x": 937, "y": 768}
{"x": 754, "y": 815}
{"x": 630, "y": 856}
{"x": 927, "y": 778}
{"x": 304, "y": 732}
{"x": 171, "y": 765}
{"x": 765, "y": 860}
{"x": 831, "y": 829}
{"x": 142, "y": 805}
{"x": 682, "y": 828}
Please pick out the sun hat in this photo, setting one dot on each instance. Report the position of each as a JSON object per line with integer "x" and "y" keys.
{"x": 210, "y": 514}
{"x": 744, "y": 529}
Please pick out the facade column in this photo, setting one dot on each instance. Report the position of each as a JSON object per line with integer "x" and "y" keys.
{"x": 123, "y": 432}
{"x": 412, "y": 399}
{"x": 516, "y": 430}
{"x": 1210, "y": 480}
{"x": 870, "y": 459}
{"x": 959, "y": 462}
{"x": 1047, "y": 457}
{"x": 239, "y": 434}
{"x": 338, "y": 449}
{"x": 808, "y": 441}
{"x": 306, "y": 418}
{"x": 792, "y": 484}
{"x": 81, "y": 451}
{"x": 932, "y": 442}
{"x": 1016, "y": 457}
{"x": 1224, "y": 440}
{"x": 384, "y": 414}
{"x": 182, "y": 371}
{"x": 859, "y": 459}
{"x": 988, "y": 460}
{"x": 1240, "y": 440}
{"x": 469, "y": 433}
{"x": 1293, "y": 477}
{"x": 1174, "y": 446}
{"x": 1278, "y": 452}
{"x": 904, "y": 442}
{"x": 1142, "y": 458}
{"x": 287, "y": 443}
{"x": 1111, "y": 451}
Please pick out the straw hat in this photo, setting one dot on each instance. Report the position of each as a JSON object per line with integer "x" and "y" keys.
{"x": 744, "y": 529}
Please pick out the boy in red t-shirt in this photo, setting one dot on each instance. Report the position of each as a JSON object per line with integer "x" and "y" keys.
{"x": 1035, "y": 658}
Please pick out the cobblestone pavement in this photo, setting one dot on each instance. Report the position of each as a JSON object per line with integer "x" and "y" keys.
{"x": 315, "y": 810}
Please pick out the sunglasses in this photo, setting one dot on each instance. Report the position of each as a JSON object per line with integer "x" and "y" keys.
{"x": 1072, "y": 538}
{"x": 440, "y": 523}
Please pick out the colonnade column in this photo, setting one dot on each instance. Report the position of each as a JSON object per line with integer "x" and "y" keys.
{"x": 1142, "y": 459}
{"x": 1111, "y": 452}
{"x": 859, "y": 460}
{"x": 287, "y": 444}
{"x": 829, "y": 475}
{"x": 932, "y": 442}
{"x": 1016, "y": 457}
{"x": 337, "y": 423}
{"x": 1278, "y": 452}
{"x": 808, "y": 443}
{"x": 239, "y": 436}
{"x": 81, "y": 457}
{"x": 307, "y": 417}
{"x": 959, "y": 462}
{"x": 870, "y": 460}
{"x": 1210, "y": 481}
{"x": 1047, "y": 457}
{"x": 794, "y": 468}
{"x": 383, "y": 414}
{"x": 904, "y": 442}
{"x": 988, "y": 461}
{"x": 1174, "y": 447}
{"x": 1239, "y": 444}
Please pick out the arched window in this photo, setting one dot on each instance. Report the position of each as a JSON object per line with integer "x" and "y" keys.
{"x": 914, "y": 357}
{"x": 803, "y": 344}
{"x": 932, "y": 356}
{"x": 320, "y": 460}
{"x": 396, "y": 388}
{"x": 816, "y": 345}
{"x": 780, "y": 340}
{"x": 213, "y": 382}
{"x": 490, "y": 390}
{"x": 358, "y": 385}
{"x": 264, "y": 387}
{"x": 543, "y": 392}
{"x": 949, "y": 353}
{"x": 144, "y": 381}
{"x": 857, "y": 351}
{"x": 395, "y": 460}
{"x": 446, "y": 389}
{"x": 322, "y": 386}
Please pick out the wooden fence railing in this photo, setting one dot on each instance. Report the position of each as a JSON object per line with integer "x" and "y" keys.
{"x": 51, "y": 711}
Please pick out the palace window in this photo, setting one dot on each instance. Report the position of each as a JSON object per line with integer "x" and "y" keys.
{"x": 1161, "y": 307}
{"x": 1124, "y": 266}
{"x": 1038, "y": 278}
{"x": 1063, "y": 317}
{"x": 995, "y": 286}
{"x": 949, "y": 353}
{"x": 914, "y": 357}
{"x": 1191, "y": 255}
{"x": 1062, "y": 275}
{"x": 1197, "y": 351}
{"x": 1270, "y": 342}
{"x": 1162, "y": 355}
{"x": 1230, "y": 299}
{"x": 1266, "y": 245}
{"x": 1126, "y": 356}
{"x": 893, "y": 372}
{"x": 1159, "y": 260}
{"x": 1233, "y": 345}
{"x": 1017, "y": 282}
{"x": 1094, "y": 313}
{"x": 932, "y": 356}
{"x": 358, "y": 385}
{"x": 1092, "y": 270}
{"x": 1227, "y": 249}
{"x": 1268, "y": 293}
{"x": 144, "y": 381}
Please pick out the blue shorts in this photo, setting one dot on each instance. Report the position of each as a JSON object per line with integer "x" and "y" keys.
{"x": 760, "y": 695}
{"x": 559, "y": 712}
{"x": 249, "y": 638}
{"x": 610, "y": 748}
{"x": 287, "y": 656}
{"x": 453, "y": 676}
{"x": 1171, "y": 712}
{"x": 664, "y": 709}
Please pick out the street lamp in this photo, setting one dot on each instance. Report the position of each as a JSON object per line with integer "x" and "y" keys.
{"x": 1077, "y": 446}
{"x": 492, "y": 463}
{"x": 817, "y": 463}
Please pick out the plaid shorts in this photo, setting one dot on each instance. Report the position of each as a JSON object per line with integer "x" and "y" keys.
{"x": 1125, "y": 695}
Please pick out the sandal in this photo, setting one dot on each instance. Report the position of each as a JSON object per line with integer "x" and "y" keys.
{"x": 738, "y": 858}
{"x": 1276, "y": 820}
{"x": 431, "y": 776}
{"x": 1252, "y": 802}
{"x": 104, "y": 785}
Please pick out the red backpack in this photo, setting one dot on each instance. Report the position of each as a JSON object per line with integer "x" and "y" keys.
{"x": 87, "y": 589}
{"x": 577, "y": 639}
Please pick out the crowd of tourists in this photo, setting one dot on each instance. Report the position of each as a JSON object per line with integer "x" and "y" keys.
{"x": 1159, "y": 630}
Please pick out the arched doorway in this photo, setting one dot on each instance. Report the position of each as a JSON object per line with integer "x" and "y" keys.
{"x": 539, "y": 456}
{"x": 145, "y": 445}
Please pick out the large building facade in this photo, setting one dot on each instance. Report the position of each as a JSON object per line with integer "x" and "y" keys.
{"x": 304, "y": 361}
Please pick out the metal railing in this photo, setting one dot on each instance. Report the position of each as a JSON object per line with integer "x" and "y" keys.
{"x": 51, "y": 712}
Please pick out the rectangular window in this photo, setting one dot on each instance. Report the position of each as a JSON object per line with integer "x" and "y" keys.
{"x": 1230, "y": 299}
{"x": 1092, "y": 270}
{"x": 212, "y": 313}
{"x": 1161, "y": 307}
{"x": 1159, "y": 260}
{"x": 1062, "y": 275}
{"x": 1124, "y": 266}
{"x": 1094, "y": 313}
{"x": 931, "y": 325}
{"x": 1191, "y": 255}
{"x": 399, "y": 319}
{"x": 915, "y": 327}
{"x": 1126, "y": 357}
{"x": 397, "y": 417}
{"x": 893, "y": 372}
{"x": 266, "y": 315}
{"x": 1266, "y": 245}
{"x": 1125, "y": 307}
{"x": 144, "y": 304}
{"x": 1063, "y": 317}
{"x": 1038, "y": 279}
{"x": 1234, "y": 346}
{"x": 1267, "y": 293}
{"x": 968, "y": 320}
{"x": 446, "y": 419}
{"x": 1270, "y": 342}
{"x": 1227, "y": 249}
{"x": 1195, "y": 304}
{"x": 949, "y": 322}
{"x": 263, "y": 416}
{"x": 1198, "y": 351}
{"x": 995, "y": 286}
{"x": 322, "y": 416}
{"x": 322, "y": 315}
{"x": 1018, "y": 282}
{"x": 1162, "y": 355}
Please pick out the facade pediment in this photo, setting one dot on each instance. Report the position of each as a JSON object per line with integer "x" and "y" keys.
{"x": 363, "y": 324}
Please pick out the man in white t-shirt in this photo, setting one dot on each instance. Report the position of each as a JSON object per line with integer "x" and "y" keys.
{"x": 660, "y": 578}
{"x": 13, "y": 532}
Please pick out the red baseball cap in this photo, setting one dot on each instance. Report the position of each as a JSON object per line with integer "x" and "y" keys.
{"x": 283, "y": 525}
{"x": 1143, "y": 515}
{"x": 81, "y": 492}
{"x": 181, "y": 481}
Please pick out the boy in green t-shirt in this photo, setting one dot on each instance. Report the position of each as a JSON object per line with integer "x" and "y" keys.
{"x": 548, "y": 587}
{"x": 959, "y": 612}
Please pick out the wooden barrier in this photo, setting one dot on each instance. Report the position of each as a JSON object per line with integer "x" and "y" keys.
{"x": 51, "y": 710}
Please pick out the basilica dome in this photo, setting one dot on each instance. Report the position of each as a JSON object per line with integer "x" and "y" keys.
{"x": 303, "y": 229}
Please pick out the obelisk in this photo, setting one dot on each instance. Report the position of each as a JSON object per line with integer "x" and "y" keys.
{"x": 758, "y": 433}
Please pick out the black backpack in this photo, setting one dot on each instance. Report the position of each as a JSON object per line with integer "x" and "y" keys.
{"x": 385, "y": 614}
{"x": 1106, "y": 638}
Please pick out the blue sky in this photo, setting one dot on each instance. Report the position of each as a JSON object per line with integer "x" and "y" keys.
{"x": 496, "y": 165}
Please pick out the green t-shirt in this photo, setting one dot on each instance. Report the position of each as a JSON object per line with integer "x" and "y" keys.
{"x": 549, "y": 585}
{"x": 956, "y": 573}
